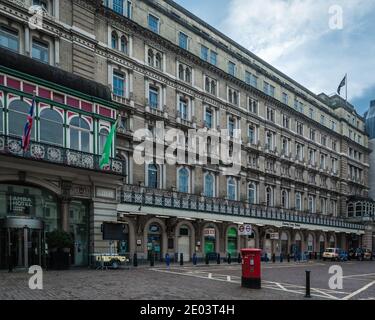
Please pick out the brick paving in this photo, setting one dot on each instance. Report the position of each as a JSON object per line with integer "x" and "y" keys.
{"x": 185, "y": 282}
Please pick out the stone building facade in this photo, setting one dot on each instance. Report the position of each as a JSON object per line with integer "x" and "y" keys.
{"x": 302, "y": 155}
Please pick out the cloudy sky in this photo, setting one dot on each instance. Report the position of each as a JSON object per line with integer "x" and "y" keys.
{"x": 295, "y": 37}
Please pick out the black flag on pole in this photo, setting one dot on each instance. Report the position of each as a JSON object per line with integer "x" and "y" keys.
{"x": 342, "y": 84}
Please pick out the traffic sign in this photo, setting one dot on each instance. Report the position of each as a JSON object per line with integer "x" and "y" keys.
{"x": 244, "y": 230}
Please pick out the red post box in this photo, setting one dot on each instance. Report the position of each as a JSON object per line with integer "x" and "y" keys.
{"x": 251, "y": 273}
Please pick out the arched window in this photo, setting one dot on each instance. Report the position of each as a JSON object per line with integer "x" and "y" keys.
{"x": 103, "y": 134}
{"x": 209, "y": 187}
{"x": 284, "y": 199}
{"x": 150, "y": 57}
{"x": 311, "y": 204}
{"x": 298, "y": 201}
{"x": 183, "y": 180}
{"x": 213, "y": 87}
{"x": 252, "y": 193}
{"x": 114, "y": 40}
{"x": 80, "y": 135}
{"x": 158, "y": 60}
{"x": 124, "y": 44}
{"x": 152, "y": 172}
{"x": 51, "y": 127}
{"x": 181, "y": 72}
{"x": 231, "y": 189}
{"x": 269, "y": 197}
{"x": 17, "y": 115}
{"x": 187, "y": 75}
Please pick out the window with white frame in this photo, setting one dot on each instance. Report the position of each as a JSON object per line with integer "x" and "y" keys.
{"x": 209, "y": 185}
{"x": 298, "y": 201}
{"x": 210, "y": 85}
{"x": 155, "y": 59}
{"x": 183, "y": 180}
{"x": 40, "y": 51}
{"x": 232, "y": 188}
{"x": 80, "y": 134}
{"x": 183, "y": 105}
{"x": 213, "y": 57}
{"x": 299, "y": 151}
{"x": 118, "y": 84}
{"x": 286, "y": 121}
{"x": 204, "y": 53}
{"x": 299, "y": 128}
{"x": 184, "y": 73}
{"x": 209, "y": 117}
{"x": 233, "y": 96}
{"x": 270, "y": 137}
{"x": 251, "y": 79}
{"x": 114, "y": 40}
{"x": 232, "y": 68}
{"x": 18, "y": 111}
{"x": 251, "y": 133}
{"x": 252, "y": 193}
{"x": 153, "y": 176}
{"x": 252, "y": 105}
{"x": 51, "y": 127}
{"x": 103, "y": 135}
{"x": 269, "y": 196}
{"x": 268, "y": 89}
{"x": 153, "y": 23}
{"x": 311, "y": 204}
{"x": 285, "y": 199}
{"x": 270, "y": 114}
{"x": 285, "y": 98}
{"x": 284, "y": 146}
{"x": 118, "y": 6}
{"x": 323, "y": 204}
{"x": 183, "y": 40}
{"x": 153, "y": 96}
{"x": 124, "y": 44}
{"x": 9, "y": 38}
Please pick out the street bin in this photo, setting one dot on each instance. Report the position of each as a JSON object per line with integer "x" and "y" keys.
{"x": 251, "y": 268}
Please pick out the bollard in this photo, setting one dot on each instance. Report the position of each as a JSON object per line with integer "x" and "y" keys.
{"x": 229, "y": 259}
{"x": 265, "y": 257}
{"x": 288, "y": 257}
{"x": 316, "y": 255}
{"x": 239, "y": 259}
{"x": 194, "y": 259}
{"x": 181, "y": 259}
{"x": 310, "y": 255}
{"x": 218, "y": 258}
{"x": 273, "y": 258}
{"x": 135, "y": 260}
{"x": 307, "y": 295}
{"x": 281, "y": 257}
{"x": 207, "y": 260}
{"x": 167, "y": 260}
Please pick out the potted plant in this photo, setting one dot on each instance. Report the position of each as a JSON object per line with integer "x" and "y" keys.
{"x": 59, "y": 244}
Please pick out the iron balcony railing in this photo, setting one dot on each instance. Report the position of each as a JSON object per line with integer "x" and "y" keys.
{"x": 58, "y": 155}
{"x": 175, "y": 200}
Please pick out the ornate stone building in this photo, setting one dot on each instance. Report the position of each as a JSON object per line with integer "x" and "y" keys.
{"x": 302, "y": 154}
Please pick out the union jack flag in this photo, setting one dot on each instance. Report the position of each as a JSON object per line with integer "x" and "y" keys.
{"x": 28, "y": 126}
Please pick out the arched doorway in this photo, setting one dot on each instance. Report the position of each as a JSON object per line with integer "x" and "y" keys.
{"x": 232, "y": 241}
{"x": 154, "y": 241}
{"x": 183, "y": 242}
{"x": 321, "y": 244}
{"x": 284, "y": 243}
{"x": 210, "y": 237}
{"x": 310, "y": 243}
{"x": 332, "y": 242}
{"x": 297, "y": 244}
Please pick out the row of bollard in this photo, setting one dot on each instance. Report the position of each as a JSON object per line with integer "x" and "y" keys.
{"x": 218, "y": 258}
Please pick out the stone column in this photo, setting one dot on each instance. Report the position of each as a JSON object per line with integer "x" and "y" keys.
{"x": 65, "y": 214}
{"x": 261, "y": 191}
{"x": 277, "y": 194}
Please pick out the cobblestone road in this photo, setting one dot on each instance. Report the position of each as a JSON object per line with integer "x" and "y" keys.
{"x": 213, "y": 282}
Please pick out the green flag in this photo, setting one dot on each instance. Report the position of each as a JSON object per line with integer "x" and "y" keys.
{"x": 104, "y": 160}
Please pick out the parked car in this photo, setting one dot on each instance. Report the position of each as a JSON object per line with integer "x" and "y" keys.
{"x": 343, "y": 255}
{"x": 332, "y": 254}
{"x": 367, "y": 254}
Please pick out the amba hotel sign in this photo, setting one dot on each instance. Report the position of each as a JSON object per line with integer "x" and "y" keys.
{"x": 19, "y": 204}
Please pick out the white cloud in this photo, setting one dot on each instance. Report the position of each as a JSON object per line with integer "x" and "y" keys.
{"x": 294, "y": 36}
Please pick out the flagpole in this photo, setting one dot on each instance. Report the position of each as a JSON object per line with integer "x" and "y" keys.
{"x": 346, "y": 90}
